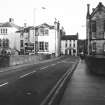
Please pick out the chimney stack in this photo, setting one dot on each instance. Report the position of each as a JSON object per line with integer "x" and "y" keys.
{"x": 11, "y": 20}
{"x": 88, "y": 10}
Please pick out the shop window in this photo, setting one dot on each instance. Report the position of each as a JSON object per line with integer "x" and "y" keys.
{"x": 94, "y": 47}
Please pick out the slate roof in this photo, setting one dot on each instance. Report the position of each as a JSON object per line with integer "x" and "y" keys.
{"x": 9, "y": 24}
{"x": 45, "y": 25}
{"x": 69, "y": 37}
{"x": 99, "y": 7}
{"x": 26, "y": 29}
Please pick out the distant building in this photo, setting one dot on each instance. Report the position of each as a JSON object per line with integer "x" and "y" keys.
{"x": 95, "y": 30}
{"x": 42, "y": 39}
{"x": 27, "y": 40}
{"x": 9, "y": 40}
{"x": 48, "y": 39}
{"x": 69, "y": 45}
{"x": 81, "y": 46}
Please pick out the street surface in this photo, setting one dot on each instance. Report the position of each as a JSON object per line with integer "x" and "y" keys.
{"x": 28, "y": 84}
{"x": 84, "y": 88}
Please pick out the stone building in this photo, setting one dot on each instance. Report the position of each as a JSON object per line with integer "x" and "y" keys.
{"x": 95, "y": 30}
{"x": 69, "y": 45}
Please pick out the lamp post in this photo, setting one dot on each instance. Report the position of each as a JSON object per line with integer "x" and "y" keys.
{"x": 35, "y": 36}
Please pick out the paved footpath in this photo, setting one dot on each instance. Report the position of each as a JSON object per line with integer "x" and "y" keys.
{"x": 84, "y": 88}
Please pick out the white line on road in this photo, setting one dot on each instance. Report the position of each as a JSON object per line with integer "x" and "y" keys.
{"x": 53, "y": 64}
{"x": 4, "y": 84}
{"x": 58, "y": 62}
{"x": 22, "y": 76}
{"x": 44, "y": 67}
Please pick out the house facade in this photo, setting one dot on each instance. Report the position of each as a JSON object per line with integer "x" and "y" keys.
{"x": 95, "y": 30}
{"x": 9, "y": 40}
{"x": 27, "y": 39}
{"x": 48, "y": 39}
{"x": 69, "y": 45}
{"x": 42, "y": 39}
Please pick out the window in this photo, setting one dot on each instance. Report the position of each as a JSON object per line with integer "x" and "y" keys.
{"x": 46, "y": 46}
{"x": 21, "y": 43}
{"x": 41, "y": 46}
{"x": 46, "y": 32}
{"x": 5, "y": 43}
{"x": 6, "y": 30}
{"x": 42, "y": 31}
{"x": 0, "y": 43}
{"x": 74, "y": 43}
{"x": 94, "y": 47}
{"x": 66, "y": 43}
{"x": 93, "y": 26}
{"x": 1, "y": 31}
{"x": 104, "y": 47}
{"x": 104, "y": 26}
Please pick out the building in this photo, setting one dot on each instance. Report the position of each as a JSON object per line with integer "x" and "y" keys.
{"x": 9, "y": 40}
{"x": 81, "y": 46}
{"x": 27, "y": 40}
{"x": 48, "y": 39}
{"x": 69, "y": 45}
{"x": 42, "y": 39}
{"x": 95, "y": 30}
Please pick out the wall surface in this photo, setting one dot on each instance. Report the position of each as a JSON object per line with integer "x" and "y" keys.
{"x": 21, "y": 59}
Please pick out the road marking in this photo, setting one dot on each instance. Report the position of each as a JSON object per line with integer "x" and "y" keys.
{"x": 53, "y": 64}
{"x": 22, "y": 76}
{"x": 58, "y": 62}
{"x": 4, "y": 84}
{"x": 67, "y": 62}
{"x": 44, "y": 67}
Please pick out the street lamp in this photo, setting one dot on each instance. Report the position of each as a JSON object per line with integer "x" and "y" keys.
{"x": 35, "y": 36}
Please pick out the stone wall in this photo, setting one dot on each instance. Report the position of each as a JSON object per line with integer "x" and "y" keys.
{"x": 6, "y": 61}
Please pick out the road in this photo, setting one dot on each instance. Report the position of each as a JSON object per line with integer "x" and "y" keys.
{"x": 25, "y": 85}
{"x": 85, "y": 88}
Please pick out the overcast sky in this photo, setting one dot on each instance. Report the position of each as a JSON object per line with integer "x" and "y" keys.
{"x": 70, "y": 13}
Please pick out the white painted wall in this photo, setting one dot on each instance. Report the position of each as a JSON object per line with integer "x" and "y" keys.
{"x": 63, "y": 46}
{"x": 14, "y": 38}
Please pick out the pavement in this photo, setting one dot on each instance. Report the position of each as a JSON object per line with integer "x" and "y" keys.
{"x": 84, "y": 88}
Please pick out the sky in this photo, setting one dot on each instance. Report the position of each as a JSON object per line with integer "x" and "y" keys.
{"x": 70, "y": 13}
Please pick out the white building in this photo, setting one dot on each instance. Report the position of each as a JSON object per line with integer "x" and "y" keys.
{"x": 48, "y": 39}
{"x": 69, "y": 45}
{"x": 9, "y": 40}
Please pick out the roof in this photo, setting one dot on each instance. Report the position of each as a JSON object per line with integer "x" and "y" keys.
{"x": 45, "y": 25}
{"x": 99, "y": 7}
{"x": 9, "y": 24}
{"x": 26, "y": 29}
{"x": 69, "y": 37}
